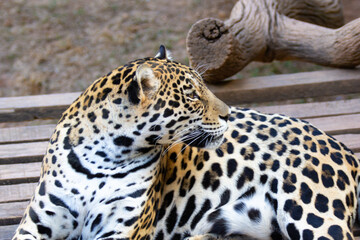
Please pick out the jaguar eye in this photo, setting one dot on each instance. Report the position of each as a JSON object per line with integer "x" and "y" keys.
{"x": 193, "y": 96}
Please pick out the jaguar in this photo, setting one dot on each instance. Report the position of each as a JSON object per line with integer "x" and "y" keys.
{"x": 148, "y": 152}
{"x": 101, "y": 172}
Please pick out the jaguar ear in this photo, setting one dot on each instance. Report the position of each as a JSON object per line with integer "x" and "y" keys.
{"x": 147, "y": 82}
{"x": 163, "y": 53}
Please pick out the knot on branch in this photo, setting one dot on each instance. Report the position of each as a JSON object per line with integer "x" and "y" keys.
{"x": 214, "y": 29}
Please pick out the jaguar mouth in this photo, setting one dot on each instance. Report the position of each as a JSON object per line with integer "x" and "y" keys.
{"x": 202, "y": 139}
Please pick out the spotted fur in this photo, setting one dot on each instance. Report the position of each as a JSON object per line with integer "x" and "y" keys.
{"x": 101, "y": 173}
{"x": 273, "y": 177}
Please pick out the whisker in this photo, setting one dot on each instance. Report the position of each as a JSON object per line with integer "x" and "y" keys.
{"x": 179, "y": 138}
{"x": 171, "y": 145}
{"x": 201, "y": 68}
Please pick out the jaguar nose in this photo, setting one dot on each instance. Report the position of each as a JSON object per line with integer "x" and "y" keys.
{"x": 225, "y": 118}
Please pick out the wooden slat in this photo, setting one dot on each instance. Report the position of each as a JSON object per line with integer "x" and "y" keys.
{"x": 352, "y": 141}
{"x": 19, "y": 173}
{"x": 22, "y": 152}
{"x": 11, "y": 213}
{"x": 356, "y": 229}
{"x": 29, "y": 114}
{"x": 13, "y": 209}
{"x": 6, "y": 232}
{"x": 17, "y": 192}
{"x": 288, "y": 86}
{"x": 306, "y": 110}
{"x": 338, "y": 124}
{"x": 315, "y": 109}
{"x": 26, "y": 133}
{"x": 25, "y": 108}
{"x": 38, "y": 101}
{"x": 258, "y": 89}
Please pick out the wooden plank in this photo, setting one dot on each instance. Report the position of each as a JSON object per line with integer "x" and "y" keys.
{"x": 338, "y": 124}
{"x": 17, "y": 192}
{"x": 258, "y": 89}
{"x": 29, "y": 114}
{"x": 38, "y": 101}
{"x": 315, "y": 109}
{"x": 356, "y": 228}
{"x": 306, "y": 110}
{"x": 22, "y": 152}
{"x": 289, "y": 86}
{"x": 11, "y": 213}
{"x": 352, "y": 141}
{"x": 13, "y": 209}
{"x": 26, "y": 133}
{"x": 6, "y": 232}
{"x": 19, "y": 173}
{"x": 34, "y": 107}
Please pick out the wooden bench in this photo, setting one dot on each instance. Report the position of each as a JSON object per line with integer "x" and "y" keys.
{"x": 24, "y": 132}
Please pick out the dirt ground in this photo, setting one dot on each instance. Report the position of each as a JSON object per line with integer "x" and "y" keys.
{"x": 49, "y": 46}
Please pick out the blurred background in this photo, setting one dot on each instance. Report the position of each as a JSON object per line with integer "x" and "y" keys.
{"x": 54, "y": 46}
